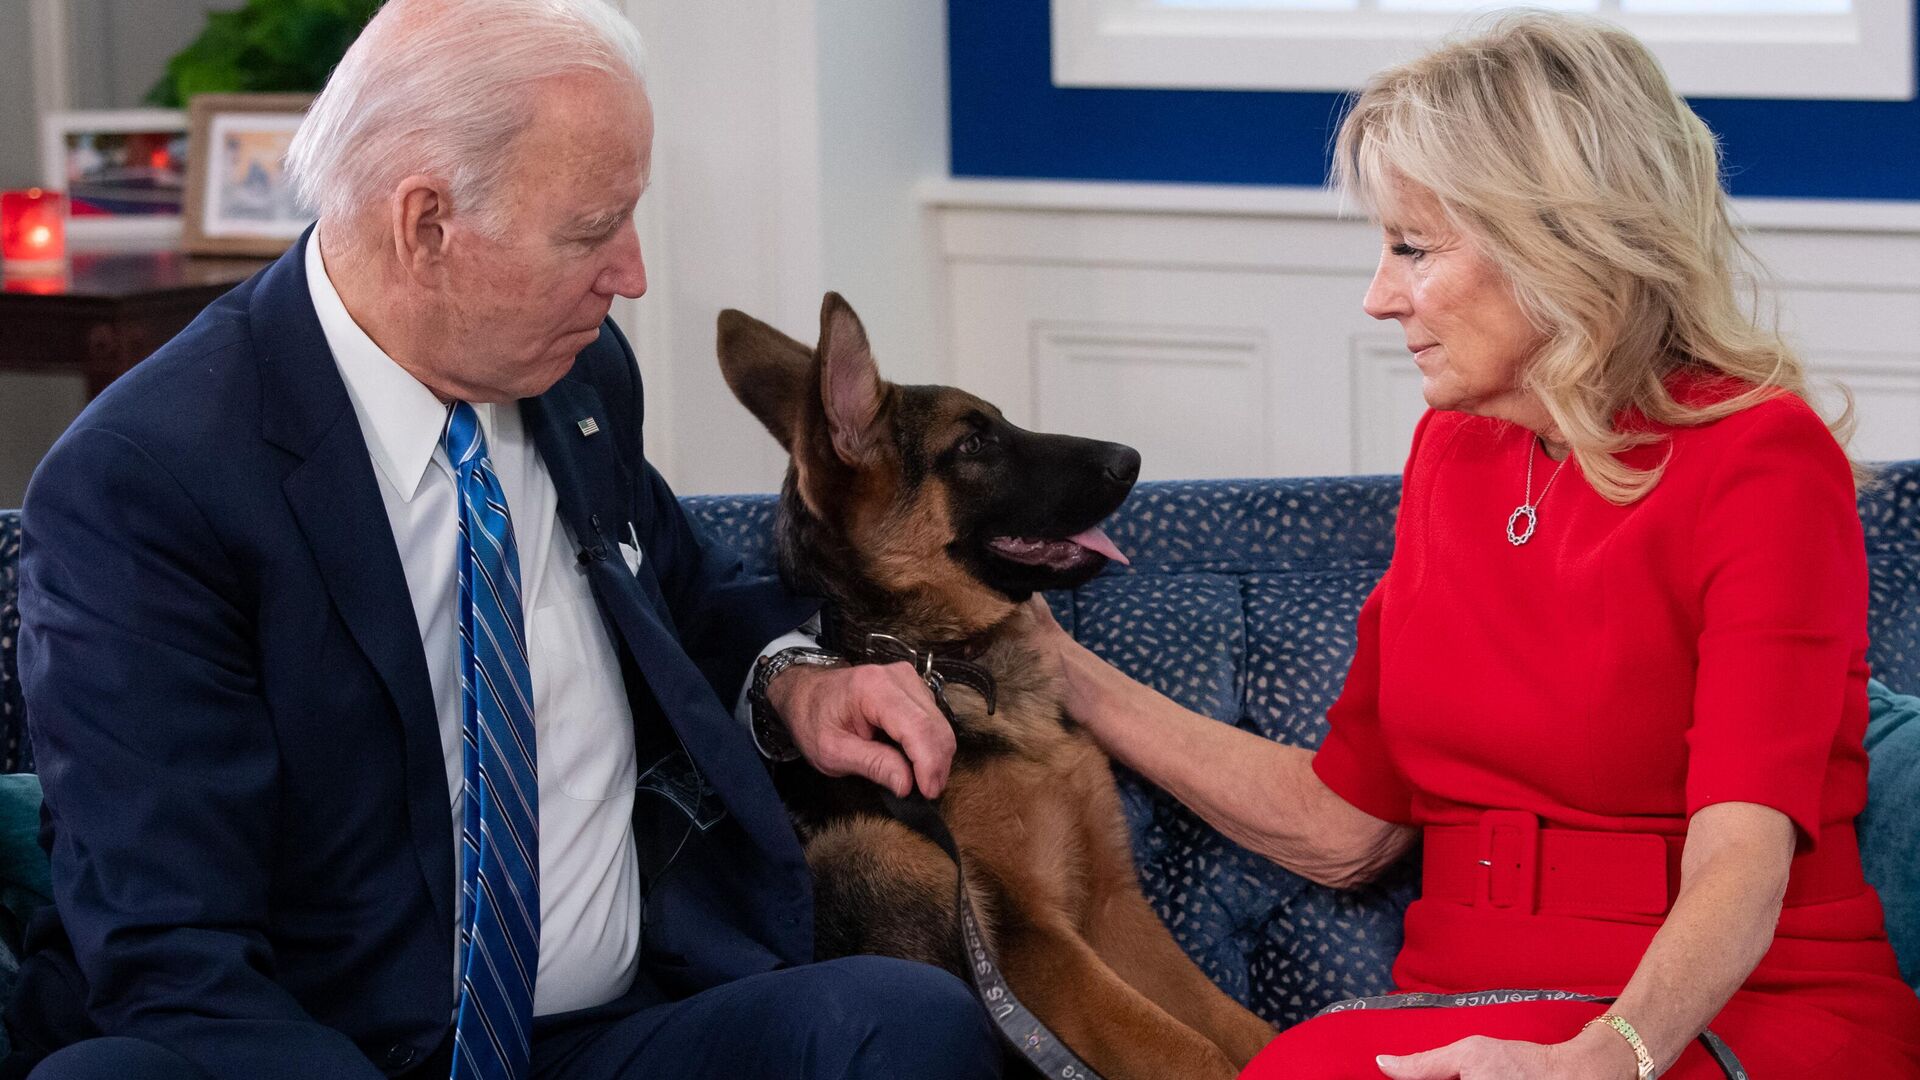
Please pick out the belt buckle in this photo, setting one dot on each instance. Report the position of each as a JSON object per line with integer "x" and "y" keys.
{"x": 1509, "y": 856}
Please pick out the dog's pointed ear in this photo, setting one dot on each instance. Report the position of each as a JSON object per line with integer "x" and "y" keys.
{"x": 769, "y": 372}
{"x": 850, "y": 387}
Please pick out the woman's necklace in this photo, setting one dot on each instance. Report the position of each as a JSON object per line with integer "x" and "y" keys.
{"x": 1529, "y": 508}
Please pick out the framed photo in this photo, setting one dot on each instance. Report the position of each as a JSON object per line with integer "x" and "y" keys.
{"x": 124, "y": 173}
{"x": 238, "y": 199}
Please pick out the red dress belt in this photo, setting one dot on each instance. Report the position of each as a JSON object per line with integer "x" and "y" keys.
{"x": 1511, "y": 862}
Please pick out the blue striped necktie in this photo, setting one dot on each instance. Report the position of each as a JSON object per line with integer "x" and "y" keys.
{"x": 500, "y": 818}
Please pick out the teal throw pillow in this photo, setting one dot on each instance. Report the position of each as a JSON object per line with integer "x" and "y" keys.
{"x": 1890, "y": 825}
{"x": 24, "y": 875}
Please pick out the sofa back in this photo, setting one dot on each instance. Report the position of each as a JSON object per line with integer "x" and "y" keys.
{"x": 1240, "y": 604}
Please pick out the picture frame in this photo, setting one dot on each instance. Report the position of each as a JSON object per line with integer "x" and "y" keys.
{"x": 238, "y": 200}
{"x": 123, "y": 172}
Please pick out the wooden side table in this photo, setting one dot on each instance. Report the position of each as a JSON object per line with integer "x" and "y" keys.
{"x": 109, "y": 311}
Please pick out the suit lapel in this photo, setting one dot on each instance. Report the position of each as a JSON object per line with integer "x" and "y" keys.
{"x": 568, "y": 426}
{"x": 595, "y": 492}
{"x": 336, "y": 500}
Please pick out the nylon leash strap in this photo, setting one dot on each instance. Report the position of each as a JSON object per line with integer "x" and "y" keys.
{"x": 1018, "y": 1027}
{"x": 1716, "y": 1047}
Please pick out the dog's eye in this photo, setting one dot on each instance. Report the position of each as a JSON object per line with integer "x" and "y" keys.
{"x": 972, "y": 444}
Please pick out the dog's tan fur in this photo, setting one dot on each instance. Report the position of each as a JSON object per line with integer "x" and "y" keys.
{"x": 1031, "y": 801}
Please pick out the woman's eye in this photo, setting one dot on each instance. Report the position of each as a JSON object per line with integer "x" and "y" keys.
{"x": 972, "y": 444}
{"x": 1407, "y": 251}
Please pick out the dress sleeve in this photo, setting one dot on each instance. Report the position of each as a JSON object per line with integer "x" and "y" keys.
{"x": 1783, "y": 602}
{"x": 1353, "y": 761}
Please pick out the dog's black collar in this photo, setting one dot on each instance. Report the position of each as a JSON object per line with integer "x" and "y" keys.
{"x": 938, "y": 664}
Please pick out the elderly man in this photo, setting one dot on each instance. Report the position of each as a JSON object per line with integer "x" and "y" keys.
{"x": 377, "y": 679}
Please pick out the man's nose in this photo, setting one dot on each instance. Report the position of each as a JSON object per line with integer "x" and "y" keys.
{"x": 627, "y": 274}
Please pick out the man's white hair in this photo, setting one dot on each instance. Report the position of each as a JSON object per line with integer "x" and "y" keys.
{"x": 442, "y": 88}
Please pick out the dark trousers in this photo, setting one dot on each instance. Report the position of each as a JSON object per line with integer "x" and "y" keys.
{"x": 104, "y": 1059}
{"x": 860, "y": 1018}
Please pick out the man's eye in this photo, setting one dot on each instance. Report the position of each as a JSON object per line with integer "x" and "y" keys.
{"x": 596, "y": 234}
{"x": 972, "y": 444}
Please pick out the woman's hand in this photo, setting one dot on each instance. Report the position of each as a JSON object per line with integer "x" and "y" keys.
{"x": 1041, "y": 626}
{"x": 1043, "y": 635}
{"x": 1083, "y": 674}
{"x": 1263, "y": 795}
{"x": 1594, "y": 1054}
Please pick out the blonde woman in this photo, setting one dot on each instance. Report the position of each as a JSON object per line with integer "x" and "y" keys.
{"x": 1614, "y": 679}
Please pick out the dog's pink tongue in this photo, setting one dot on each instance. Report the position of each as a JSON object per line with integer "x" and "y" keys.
{"x": 1096, "y": 540}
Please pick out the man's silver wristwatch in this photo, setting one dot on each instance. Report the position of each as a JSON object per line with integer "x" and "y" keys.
{"x": 769, "y": 728}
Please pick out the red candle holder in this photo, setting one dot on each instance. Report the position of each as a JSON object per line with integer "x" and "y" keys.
{"x": 33, "y": 232}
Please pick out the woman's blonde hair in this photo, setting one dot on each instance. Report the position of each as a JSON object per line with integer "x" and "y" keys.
{"x": 1556, "y": 142}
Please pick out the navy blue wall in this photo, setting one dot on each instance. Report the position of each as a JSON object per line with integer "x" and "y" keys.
{"x": 1009, "y": 120}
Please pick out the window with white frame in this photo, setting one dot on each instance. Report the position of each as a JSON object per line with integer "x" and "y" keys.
{"x": 1838, "y": 49}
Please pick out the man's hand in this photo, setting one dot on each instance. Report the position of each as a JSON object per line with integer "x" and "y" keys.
{"x": 1594, "y": 1054}
{"x": 858, "y": 720}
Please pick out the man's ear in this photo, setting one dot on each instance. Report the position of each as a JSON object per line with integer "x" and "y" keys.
{"x": 769, "y": 372}
{"x": 421, "y": 207}
{"x": 849, "y": 382}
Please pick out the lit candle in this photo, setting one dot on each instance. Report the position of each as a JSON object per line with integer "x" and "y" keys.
{"x": 33, "y": 234}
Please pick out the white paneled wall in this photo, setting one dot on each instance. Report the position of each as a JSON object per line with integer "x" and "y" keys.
{"x": 1096, "y": 377}
{"x": 790, "y": 138}
{"x": 1220, "y": 331}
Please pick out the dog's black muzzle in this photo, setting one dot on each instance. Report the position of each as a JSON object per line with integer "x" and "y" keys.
{"x": 1059, "y": 485}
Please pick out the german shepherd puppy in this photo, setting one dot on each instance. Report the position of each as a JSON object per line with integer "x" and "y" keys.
{"x": 920, "y": 512}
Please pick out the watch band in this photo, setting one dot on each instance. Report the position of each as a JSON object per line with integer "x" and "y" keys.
{"x": 769, "y": 728}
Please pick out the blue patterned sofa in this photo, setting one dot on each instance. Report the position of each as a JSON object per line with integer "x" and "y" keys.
{"x": 1240, "y": 603}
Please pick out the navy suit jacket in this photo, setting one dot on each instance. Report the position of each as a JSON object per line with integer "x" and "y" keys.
{"x": 246, "y": 805}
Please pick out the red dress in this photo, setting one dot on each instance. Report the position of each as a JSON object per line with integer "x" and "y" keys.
{"x": 1626, "y": 667}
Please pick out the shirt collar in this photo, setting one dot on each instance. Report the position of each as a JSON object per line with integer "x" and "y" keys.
{"x": 400, "y": 418}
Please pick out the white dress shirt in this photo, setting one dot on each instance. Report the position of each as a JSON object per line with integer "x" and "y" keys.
{"x": 589, "y": 875}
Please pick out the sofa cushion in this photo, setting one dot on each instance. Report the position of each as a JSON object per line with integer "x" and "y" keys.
{"x": 1888, "y": 848}
{"x": 15, "y": 754}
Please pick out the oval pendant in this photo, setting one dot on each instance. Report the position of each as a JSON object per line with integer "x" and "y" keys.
{"x": 1518, "y": 537}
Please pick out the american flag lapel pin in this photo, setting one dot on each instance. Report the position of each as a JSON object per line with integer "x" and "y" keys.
{"x": 589, "y": 426}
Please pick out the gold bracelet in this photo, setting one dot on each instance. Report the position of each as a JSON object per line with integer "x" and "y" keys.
{"x": 1642, "y": 1060}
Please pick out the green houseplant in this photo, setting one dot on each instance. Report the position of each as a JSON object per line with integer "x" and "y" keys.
{"x": 267, "y": 46}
